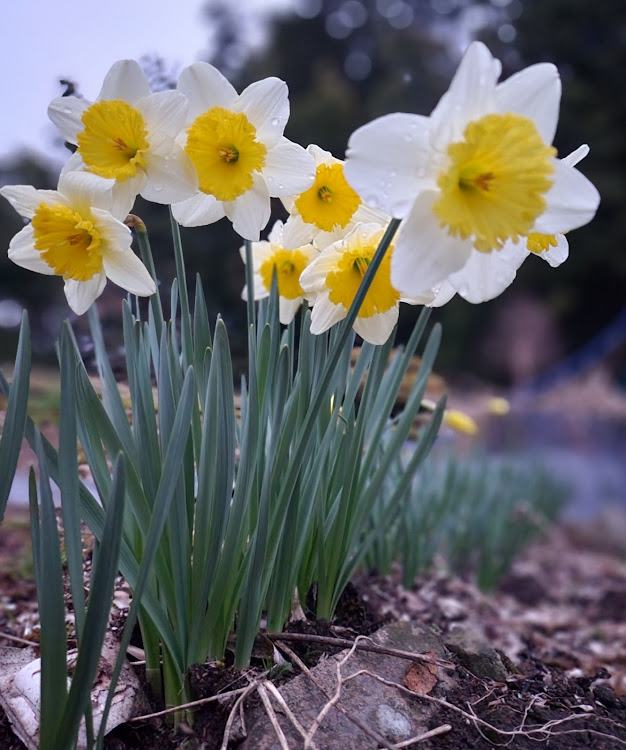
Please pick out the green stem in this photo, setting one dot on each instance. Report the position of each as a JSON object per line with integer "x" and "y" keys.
{"x": 152, "y": 651}
{"x": 250, "y": 284}
{"x": 185, "y": 316}
{"x": 146, "y": 255}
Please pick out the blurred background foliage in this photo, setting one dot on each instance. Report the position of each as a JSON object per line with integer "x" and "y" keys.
{"x": 348, "y": 61}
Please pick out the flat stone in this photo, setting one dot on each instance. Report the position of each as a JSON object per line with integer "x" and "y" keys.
{"x": 385, "y": 710}
{"x": 468, "y": 642}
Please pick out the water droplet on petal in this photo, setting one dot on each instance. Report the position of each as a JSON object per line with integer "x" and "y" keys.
{"x": 158, "y": 186}
{"x": 275, "y": 121}
{"x": 408, "y": 137}
{"x": 393, "y": 174}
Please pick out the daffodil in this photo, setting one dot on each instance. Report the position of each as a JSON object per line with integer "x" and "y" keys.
{"x": 271, "y": 255}
{"x": 329, "y": 209}
{"x": 77, "y": 232}
{"x": 333, "y": 278}
{"x": 486, "y": 275}
{"x": 237, "y": 147}
{"x": 477, "y": 174}
{"x": 129, "y": 135}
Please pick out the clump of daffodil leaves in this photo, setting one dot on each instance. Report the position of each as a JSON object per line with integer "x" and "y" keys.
{"x": 223, "y": 505}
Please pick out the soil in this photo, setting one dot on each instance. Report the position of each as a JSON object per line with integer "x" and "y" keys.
{"x": 556, "y": 620}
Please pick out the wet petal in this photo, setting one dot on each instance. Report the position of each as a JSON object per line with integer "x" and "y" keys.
{"x": 266, "y": 105}
{"x": 66, "y": 113}
{"x": 386, "y": 162}
{"x": 171, "y": 178}
{"x": 288, "y": 170}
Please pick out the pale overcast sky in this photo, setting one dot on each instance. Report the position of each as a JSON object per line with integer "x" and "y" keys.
{"x": 44, "y": 40}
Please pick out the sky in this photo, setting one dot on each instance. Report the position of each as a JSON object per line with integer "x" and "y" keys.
{"x": 42, "y": 41}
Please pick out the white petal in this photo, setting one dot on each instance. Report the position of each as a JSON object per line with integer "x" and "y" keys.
{"x": 571, "y": 201}
{"x": 22, "y": 252}
{"x": 205, "y": 87}
{"x": 377, "y": 328}
{"x": 287, "y": 309}
{"x": 556, "y": 255}
{"x": 321, "y": 156}
{"x": 325, "y": 314}
{"x": 197, "y": 211}
{"x": 25, "y": 198}
{"x": 386, "y": 162}
{"x": 313, "y": 278}
{"x": 470, "y": 96}
{"x": 288, "y": 170}
{"x": 165, "y": 114}
{"x": 266, "y": 105}
{"x": 534, "y": 92}
{"x": 577, "y": 155}
{"x": 443, "y": 294}
{"x": 171, "y": 179}
{"x": 84, "y": 190}
{"x": 487, "y": 275}
{"x": 66, "y": 113}
{"x": 250, "y": 212}
{"x": 425, "y": 254}
{"x": 296, "y": 232}
{"x": 125, "y": 80}
{"x": 81, "y": 294}
{"x": 126, "y": 270}
{"x": 117, "y": 236}
{"x": 276, "y": 233}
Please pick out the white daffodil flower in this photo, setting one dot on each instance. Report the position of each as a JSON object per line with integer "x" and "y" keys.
{"x": 475, "y": 175}
{"x": 486, "y": 275}
{"x": 77, "y": 232}
{"x": 329, "y": 209}
{"x": 129, "y": 135}
{"x": 271, "y": 254}
{"x": 237, "y": 147}
{"x": 333, "y": 278}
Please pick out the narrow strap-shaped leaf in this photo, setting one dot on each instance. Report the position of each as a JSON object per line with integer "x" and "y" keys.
{"x": 167, "y": 486}
{"x": 53, "y": 637}
{"x": 15, "y": 416}
{"x": 69, "y": 479}
{"x": 97, "y": 618}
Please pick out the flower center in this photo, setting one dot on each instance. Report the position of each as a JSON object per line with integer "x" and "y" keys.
{"x": 289, "y": 264}
{"x": 330, "y": 202}
{"x": 114, "y": 140}
{"x": 68, "y": 242}
{"x": 493, "y": 188}
{"x": 223, "y": 148}
{"x": 345, "y": 280}
{"x": 539, "y": 243}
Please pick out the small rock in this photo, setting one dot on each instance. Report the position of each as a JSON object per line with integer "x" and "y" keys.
{"x": 475, "y": 653}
